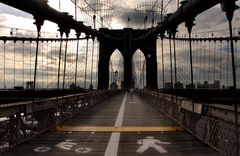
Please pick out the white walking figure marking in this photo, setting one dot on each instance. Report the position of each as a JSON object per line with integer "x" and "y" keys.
{"x": 66, "y": 145}
{"x": 151, "y": 142}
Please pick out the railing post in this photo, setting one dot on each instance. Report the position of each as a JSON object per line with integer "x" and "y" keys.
{"x": 189, "y": 24}
{"x": 174, "y": 31}
{"x": 38, "y": 23}
{"x": 229, "y": 7}
{"x": 162, "y": 47}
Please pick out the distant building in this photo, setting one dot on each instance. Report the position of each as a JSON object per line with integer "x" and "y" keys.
{"x": 29, "y": 85}
{"x": 214, "y": 85}
{"x": 178, "y": 85}
{"x": 190, "y": 86}
{"x": 200, "y": 85}
{"x": 72, "y": 86}
{"x": 168, "y": 85}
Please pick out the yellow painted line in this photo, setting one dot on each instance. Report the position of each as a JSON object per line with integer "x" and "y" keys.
{"x": 117, "y": 129}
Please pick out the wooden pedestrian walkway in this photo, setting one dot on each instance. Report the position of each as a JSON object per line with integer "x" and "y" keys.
{"x": 122, "y": 125}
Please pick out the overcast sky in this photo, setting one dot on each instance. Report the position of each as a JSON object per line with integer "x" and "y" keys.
{"x": 209, "y": 21}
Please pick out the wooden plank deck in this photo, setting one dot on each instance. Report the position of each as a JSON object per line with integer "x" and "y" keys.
{"x": 118, "y": 126}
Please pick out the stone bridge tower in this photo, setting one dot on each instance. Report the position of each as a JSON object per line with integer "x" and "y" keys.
{"x": 126, "y": 42}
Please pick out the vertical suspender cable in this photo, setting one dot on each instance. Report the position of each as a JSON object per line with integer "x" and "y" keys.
{"x": 214, "y": 64}
{"x": 221, "y": 59}
{"x": 209, "y": 61}
{"x": 92, "y": 63}
{"x": 51, "y": 56}
{"x": 59, "y": 5}
{"x": 59, "y": 60}
{"x": 175, "y": 59}
{"x": 163, "y": 79}
{"x": 55, "y": 62}
{"x": 30, "y": 51}
{"x": 47, "y": 63}
{"x": 86, "y": 61}
{"x": 14, "y": 64}
{"x": 36, "y": 62}
{"x": 204, "y": 60}
{"x": 175, "y": 74}
{"x": 23, "y": 51}
{"x": 227, "y": 62}
{"x": 42, "y": 50}
{"x": 200, "y": 60}
{"x": 76, "y": 63}
{"x": 4, "y": 64}
{"x": 65, "y": 62}
{"x": 75, "y": 3}
{"x": 97, "y": 66}
{"x": 171, "y": 68}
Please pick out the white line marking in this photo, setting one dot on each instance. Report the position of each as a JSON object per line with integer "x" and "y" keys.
{"x": 119, "y": 119}
{"x": 112, "y": 147}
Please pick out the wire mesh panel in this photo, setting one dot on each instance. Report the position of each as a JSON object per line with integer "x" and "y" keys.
{"x": 21, "y": 121}
{"x": 217, "y": 132}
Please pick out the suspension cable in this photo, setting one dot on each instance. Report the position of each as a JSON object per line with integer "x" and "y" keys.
{"x": 86, "y": 61}
{"x": 92, "y": 63}
{"x": 65, "y": 63}
{"x": 4, "y": 64}
{"x": 30, "y": 60}
{"x": 76, "y": 66}
{"x": 59, "y": 63}
{"x": 23, "y": 72}
{"x": 14, "y": 63}
{"x": 97, "y": 67}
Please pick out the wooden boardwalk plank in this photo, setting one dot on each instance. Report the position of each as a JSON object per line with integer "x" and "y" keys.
{"x": 89, "y": 133}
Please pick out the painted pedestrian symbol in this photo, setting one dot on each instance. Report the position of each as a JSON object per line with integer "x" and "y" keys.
{"x": 42, "y": 149}
{"x": 151, "y": 142}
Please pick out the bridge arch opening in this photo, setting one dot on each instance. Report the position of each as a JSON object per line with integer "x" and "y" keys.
{"x": 139, "y": 69}
{"x": 116, "y": 70}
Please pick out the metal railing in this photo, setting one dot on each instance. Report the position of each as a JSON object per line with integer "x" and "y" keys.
{"x": 218, "y": 132}
{"x": 24, "y": 120}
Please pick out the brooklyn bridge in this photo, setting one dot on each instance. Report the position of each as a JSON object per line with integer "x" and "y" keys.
{"x": 147, "y": 77}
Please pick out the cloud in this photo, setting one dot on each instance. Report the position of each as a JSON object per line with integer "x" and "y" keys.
{"x": 4, "y": 9}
